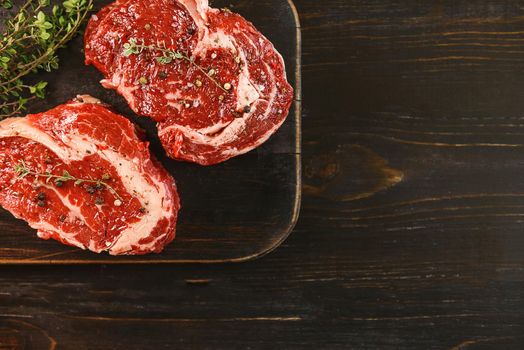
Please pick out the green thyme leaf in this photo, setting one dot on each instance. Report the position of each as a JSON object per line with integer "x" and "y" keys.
{"x": 29, "y": 43}
{"x": 133, "y": 47}
{"x": 22, "y": 170}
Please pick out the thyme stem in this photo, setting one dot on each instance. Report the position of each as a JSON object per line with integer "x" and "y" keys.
{"x": 9, "y": 36}
{"x": 28, "y": 67}
{"x": 133, "y": 47}
{"x": 22, "y": 171}
{"x": 29, "y": 43}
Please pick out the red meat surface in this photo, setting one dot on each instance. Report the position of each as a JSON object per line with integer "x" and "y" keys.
{"x": 227, "y": 94}
{"x": 135, "y": 213}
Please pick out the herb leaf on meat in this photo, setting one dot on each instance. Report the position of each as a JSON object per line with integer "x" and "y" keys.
{"x": 22, "y": 170}
{"x": 133, "y": 47}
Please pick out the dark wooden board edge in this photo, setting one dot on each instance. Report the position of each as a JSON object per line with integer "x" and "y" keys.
{"x": 296, "y": 205}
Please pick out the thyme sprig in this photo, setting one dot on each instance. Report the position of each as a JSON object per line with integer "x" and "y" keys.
{"x": 133, "y": 47}
{"x": 22, "y": 170}
{"x": 29, "y": 43}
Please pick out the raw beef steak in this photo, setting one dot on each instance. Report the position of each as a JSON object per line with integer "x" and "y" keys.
{"x": 215, "y": 85}
{"x": 80, "y": 174}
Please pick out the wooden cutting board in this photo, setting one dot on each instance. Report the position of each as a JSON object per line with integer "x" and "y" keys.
{"x": 231, "y": 212}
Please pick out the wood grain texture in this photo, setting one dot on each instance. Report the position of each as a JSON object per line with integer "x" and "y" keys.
{"x": 234, "y": 211}
{"x": 411, "y": 239}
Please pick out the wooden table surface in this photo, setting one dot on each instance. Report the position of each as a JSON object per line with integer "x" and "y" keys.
{"x": 411, "y": 234}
